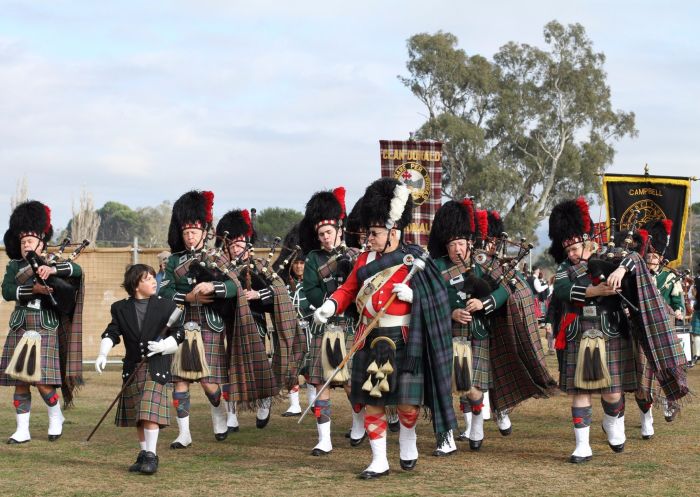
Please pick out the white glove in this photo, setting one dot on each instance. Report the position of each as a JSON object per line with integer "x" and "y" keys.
{"x": 323, "y": 313}
{"x": 105, "y": 346}
{"x": 403, "y": 292}
{"x": 165, "y": 347}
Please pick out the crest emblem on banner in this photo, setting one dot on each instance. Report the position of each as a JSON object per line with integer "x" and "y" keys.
{"x": 649, "y": 210}
{"x": 417, "y": 179}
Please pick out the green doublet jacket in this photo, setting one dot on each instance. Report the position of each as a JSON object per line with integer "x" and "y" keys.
{"x": 317, "y": 289}
{"x": 177, "y": 283}
{"x": 458, "y": 300}
{"x": 17, "y": 285}
{"x": 670, "y": 289}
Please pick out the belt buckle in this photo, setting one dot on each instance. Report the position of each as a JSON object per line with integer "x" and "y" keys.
{"x": 34, "y": 304}
{"x": 590, "y": 311}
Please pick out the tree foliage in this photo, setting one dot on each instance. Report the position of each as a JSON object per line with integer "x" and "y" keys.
{"x": 275, "y": 221}
{"x": 524, "y": 130}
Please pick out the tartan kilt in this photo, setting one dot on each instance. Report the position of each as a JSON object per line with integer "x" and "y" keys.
{"x": 409, "y": 389}
{"x": 143, "y": 400}
{"x": 620, "y": 361}
{"x": 481, "y": 364}
{"x": 695, "y": 323}
{"x": 50, "y": 360}
{"x": 214, "y": 349}
{"x": 315, "y": 373}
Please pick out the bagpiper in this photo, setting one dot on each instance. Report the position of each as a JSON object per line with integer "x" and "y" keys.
{"x": 405, "y": 360}
{"x": 202, "y": 357}
{"x": 44, "y": 345}
{"x": 151, "y": 330}
{"x": 328, "y": 264}
{"x": 595, "y": 333}
{"x": 262, "y": 292}
{"x": 290, "y": 266}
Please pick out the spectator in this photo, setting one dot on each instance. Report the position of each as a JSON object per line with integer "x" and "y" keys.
{"x": 162, "y": 261}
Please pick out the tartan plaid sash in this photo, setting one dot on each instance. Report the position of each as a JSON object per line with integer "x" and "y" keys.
{"x": 330, "y": 267}
{"x": 517, "y": 358}
{"x": 430, "y": 344}
{"x": 656, "y": 335}
{"x": 250, "y": 374}
{"x": 70, "y": 342}
{"x": 287, "y": 350}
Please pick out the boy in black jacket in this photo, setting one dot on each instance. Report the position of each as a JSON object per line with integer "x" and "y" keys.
{"x": 142, "y": 321}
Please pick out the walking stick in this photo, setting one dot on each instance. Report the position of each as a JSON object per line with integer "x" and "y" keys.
{"x": 418, "y": 265}
{"x": 171, "y": 321}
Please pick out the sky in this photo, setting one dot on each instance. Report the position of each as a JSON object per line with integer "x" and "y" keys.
{"x": 266, "y": 102}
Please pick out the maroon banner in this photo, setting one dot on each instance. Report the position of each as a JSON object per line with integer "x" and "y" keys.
{"x": 418, "y": 165}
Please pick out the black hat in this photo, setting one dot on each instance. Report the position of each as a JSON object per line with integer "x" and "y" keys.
{"x": 31, "y": 218}
{"x": 453, "y": 221}
{"x": 496, "y": 227}
{"x": 193, "y": 209}
{"x": 659, "y": 234}
{"x": 569, "y": 223}
{"x": 353, "y": 226}
{"x": 387, "y": 202}
{"x": 238, "y": 225}
{"x": 291, "y": 240}
{"x": 324, "y": 208}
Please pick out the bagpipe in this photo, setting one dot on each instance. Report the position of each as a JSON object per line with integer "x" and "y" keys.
{"x": 607, "y": 258}
{"x": 64, "y": 289}
{"x": 498, "y": 267}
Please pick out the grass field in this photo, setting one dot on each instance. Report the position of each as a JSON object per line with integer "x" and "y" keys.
{"x": 276, "y": 461}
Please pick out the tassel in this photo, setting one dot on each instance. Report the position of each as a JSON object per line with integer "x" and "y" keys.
{"x": 379, "y": 375}
{"x": 196, "y": 362}
{"x": 19, "y": 366}
{"x": 588, "y": 366}
{"x": 372, "y": 368}
{"x": 367, "y": 386}
{"x": 31, "y": 361}
{"x": 597, "y": 365}
{"x": 384, "y": 385}
{"x": 337, "y": 352}
{"x": 186, "y": 358}
{"x": 387, "y": 368}
{"x": 375, "y": 391}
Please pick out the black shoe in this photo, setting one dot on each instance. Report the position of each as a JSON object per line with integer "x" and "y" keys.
{"x": 150, "y": 464}
{"x": 262, "y": 423}
{"x": 347, "y": 434}
{"x": 136, "y": 467}
{"x": 647, "y": 437}
{"x": 475, "y": 444}
{"x": 320, "y": 452}
{"x": 507, "y": 431}
{"x": 408, "y": 465}
{"x": 579, "y": 459}
{"x": 220, "y": 437}
{"x": 354, "y": 442}
{"x": 178, "y": 445}
{"x": 371, "y": 475}
{"x": 53, "y": 438}
{"x": 287, "y": 414}
{"x": 394, "y": 427}
{"x": 617, "y": 448}
{"x": 233, "y": 429}
{"x": 12, "y": 441}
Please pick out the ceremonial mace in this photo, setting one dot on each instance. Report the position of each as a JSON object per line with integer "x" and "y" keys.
{"x": 171, "y": 321}
{"x": 418, "y": 265}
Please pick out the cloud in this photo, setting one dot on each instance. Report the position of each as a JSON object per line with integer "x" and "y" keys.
{"x": 267, "y": 102}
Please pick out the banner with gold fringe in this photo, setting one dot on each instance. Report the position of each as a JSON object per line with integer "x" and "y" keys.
{"x": 656, "y": 197}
